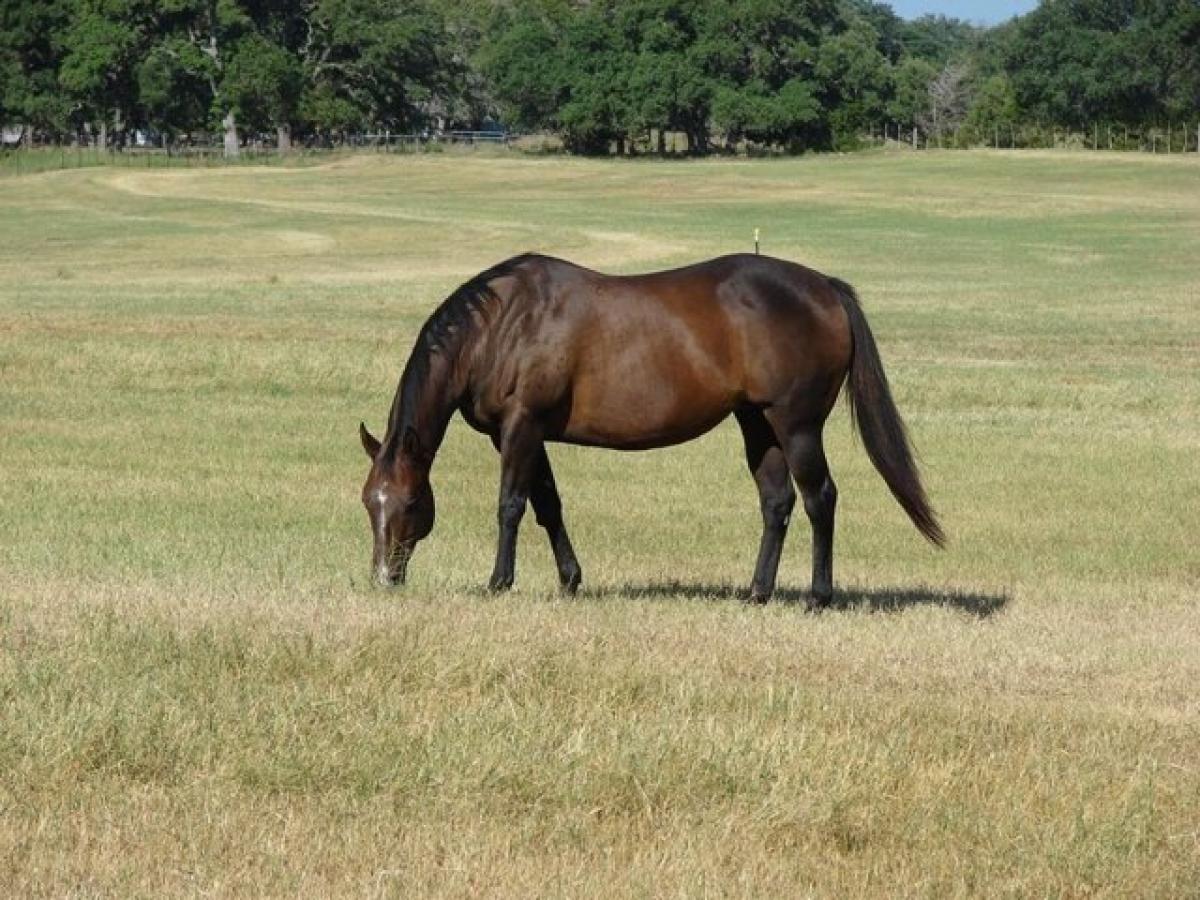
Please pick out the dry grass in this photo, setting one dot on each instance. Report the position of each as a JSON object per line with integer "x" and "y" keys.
{"x": 201, "y": 696}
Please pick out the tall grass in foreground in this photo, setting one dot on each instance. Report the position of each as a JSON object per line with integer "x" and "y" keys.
{"x": 200, "y": 694}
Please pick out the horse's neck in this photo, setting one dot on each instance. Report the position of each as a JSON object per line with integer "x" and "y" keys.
{"x": 436, "y": 377}
{"x": 427, "y": 407}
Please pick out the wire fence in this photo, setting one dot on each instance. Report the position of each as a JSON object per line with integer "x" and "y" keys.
{"x": 149, "y": 150}
{"x": 26, "y": 156}
{"x": 1171, "y": 137}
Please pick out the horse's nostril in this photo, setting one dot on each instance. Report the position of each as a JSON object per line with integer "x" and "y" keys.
{"x": 391, "y": 573}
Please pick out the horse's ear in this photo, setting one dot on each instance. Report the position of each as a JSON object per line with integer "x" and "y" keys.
{"x": 368, "y": 441}
{"x": 411, "y": 444}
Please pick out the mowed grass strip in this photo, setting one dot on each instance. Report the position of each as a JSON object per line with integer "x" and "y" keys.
{"x": 202, "y": 695}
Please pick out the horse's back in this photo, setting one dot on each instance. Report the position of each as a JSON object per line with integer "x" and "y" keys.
{"x": 738, "y": 291}
{"x": 743, "y": 320}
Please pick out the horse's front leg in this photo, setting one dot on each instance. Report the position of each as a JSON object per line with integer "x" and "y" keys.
{"x": 520, "y": 454}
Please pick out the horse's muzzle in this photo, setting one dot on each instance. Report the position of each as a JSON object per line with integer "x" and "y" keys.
{"x": 393, "y": 570}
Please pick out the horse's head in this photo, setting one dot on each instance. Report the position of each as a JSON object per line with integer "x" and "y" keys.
{"x": 399, "y": 503}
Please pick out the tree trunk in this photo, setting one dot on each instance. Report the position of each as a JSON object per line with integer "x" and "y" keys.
{"x": 283, "y": 141}
{"x": 662, "y": 142}
{"x": 102, "y": 138}
{"x": 120, "y": 136}
{"x": 232, "y": 148}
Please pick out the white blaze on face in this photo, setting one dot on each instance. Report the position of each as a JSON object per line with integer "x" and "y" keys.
{"x": 380, "y": 514}
{"x": 382, "y": 573}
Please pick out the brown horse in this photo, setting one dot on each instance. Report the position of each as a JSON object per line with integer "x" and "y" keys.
{"x": 537, "y": 349}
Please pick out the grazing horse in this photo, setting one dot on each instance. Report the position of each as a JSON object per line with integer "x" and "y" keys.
{"x": 538, "y": 349}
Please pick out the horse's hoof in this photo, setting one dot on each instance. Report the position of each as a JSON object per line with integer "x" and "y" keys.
{"x": 570, "y": 582}
{"x": 756, "y": 599}
{"x": 817, "y": 603}
{"x": 499, "y": 585}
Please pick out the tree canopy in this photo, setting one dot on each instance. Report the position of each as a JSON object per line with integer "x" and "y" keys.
{"x": 603, "y": 74}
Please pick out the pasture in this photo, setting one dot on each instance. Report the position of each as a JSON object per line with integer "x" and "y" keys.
{"x": 201, "y": 693}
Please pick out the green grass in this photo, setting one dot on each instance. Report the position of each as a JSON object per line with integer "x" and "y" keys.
{"x": 200, "y": 693}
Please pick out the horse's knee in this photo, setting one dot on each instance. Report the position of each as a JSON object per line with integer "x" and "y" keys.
{"x": 511, "y": 510}
{"x": 820, "y": 502}
{"x": 777, "y": 508}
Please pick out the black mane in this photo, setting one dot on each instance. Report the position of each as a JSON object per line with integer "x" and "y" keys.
{"x": 444, "y": 334}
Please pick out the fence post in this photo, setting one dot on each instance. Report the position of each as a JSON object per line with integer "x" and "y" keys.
{"x": 914, "y": 137}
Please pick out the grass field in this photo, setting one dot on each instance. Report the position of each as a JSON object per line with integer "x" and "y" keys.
{"x": 200, "y": 693}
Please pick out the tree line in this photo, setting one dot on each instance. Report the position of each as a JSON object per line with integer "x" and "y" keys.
{"x": 604, "y": 75}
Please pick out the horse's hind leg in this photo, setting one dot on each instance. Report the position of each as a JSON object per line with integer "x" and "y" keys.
{"x": 805, "y": 453}
{"x": 776, "y": 497}
{"x": 548, "y": 508}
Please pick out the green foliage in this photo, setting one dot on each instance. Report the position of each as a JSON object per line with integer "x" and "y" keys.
{"x": 994, "y": 109}
{"x": 1089, "y": 60}
{"x": 31, "y": 41}
{"x": 859, "y": 79}
{"x": 601, "y": 75}
{"x": 172, "y": 89}
{"x": 764, "y": 57}
{"x": 598, "y": 105}
{"x": 374, "y": 63}
{"x": 751, "y": 112}
{"x": 522, "y": 62}
{"x": 910, "y": 96}
{"x": 99, "y": 69}
{"x": 264, "y": 82}
{"x": 938, "y": 39}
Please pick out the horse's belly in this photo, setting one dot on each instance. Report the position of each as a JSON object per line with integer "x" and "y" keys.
{"x": 637, "y": 416}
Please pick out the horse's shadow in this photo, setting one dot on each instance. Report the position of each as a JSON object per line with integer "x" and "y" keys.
{"x": 873, "y": 600}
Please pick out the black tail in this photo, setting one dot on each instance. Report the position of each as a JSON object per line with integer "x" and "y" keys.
{"x": 879, "y": 421}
